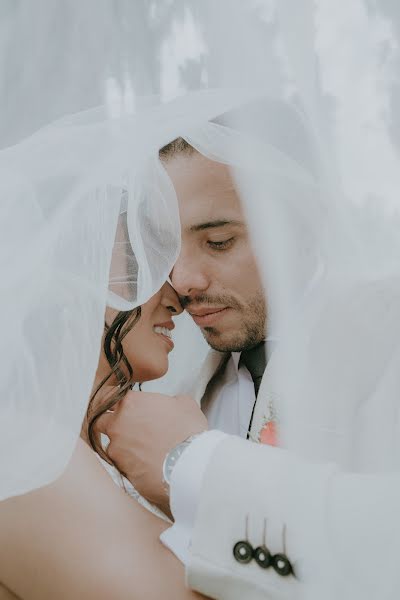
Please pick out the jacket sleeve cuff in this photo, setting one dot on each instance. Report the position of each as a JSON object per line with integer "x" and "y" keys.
{"x": 186, "y": 482}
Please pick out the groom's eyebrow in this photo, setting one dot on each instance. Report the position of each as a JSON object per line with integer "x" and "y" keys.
{"x": 214, "y": 224}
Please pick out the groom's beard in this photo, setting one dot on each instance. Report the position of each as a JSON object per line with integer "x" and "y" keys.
{"x": 244, "y": 328}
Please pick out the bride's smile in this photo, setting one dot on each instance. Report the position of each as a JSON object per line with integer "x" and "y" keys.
{"x": 165, "y": 331}
{"x": 135, "y": 349}
{"x": 148, "y": 341}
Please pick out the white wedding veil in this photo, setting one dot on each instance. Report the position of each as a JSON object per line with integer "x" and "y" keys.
{"x": 88, "y": 216}
{"x": 300, "y": 100}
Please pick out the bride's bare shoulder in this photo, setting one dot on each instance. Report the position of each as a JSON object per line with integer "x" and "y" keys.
{"x": 81, "y": 533}
{"x": 84, "y": 492}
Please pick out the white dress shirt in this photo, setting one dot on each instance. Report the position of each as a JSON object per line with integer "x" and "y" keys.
{"x": 228, "y": 412}
{"x": 232, "y": 401}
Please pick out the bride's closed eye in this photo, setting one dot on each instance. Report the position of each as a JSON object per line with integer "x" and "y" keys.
{"x": 172, "y": 309}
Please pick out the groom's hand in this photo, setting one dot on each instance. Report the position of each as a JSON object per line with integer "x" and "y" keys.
{"x": 142, "y": 430}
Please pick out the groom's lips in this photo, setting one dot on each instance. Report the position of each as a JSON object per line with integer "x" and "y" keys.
{"x": 208, "y": 316}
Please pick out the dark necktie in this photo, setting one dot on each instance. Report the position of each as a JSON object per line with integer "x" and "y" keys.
{"x": 255, "y": 360}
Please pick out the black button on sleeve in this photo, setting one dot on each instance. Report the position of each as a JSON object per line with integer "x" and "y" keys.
{"x": 263, "y": 557}
{"x": 243, "y": 552}
{"x": 282, "y": 565}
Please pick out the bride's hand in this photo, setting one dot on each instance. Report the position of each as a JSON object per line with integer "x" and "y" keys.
{"x": 142, "y": 430}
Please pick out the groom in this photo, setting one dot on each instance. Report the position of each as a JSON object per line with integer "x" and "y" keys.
{"x": 219, "y": 284}
{"x": 250, "y": 520}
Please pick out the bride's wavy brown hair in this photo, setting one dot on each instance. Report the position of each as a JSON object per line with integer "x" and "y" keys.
{"x": 120, "y": 368}
{"x": 112, "y": 343}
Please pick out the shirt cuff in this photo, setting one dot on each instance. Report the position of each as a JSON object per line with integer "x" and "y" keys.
{"x": 186, "y": 482}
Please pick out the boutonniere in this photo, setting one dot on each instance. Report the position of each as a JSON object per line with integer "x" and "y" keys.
{"x": 268, "y": 432}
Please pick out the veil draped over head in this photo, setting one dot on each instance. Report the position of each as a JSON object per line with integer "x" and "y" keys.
{"x": 299, "y": 99}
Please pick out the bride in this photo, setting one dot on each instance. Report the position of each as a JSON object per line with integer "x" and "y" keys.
{"x": 99, "y": 218}
{"x": 67, "y": 531}
{"x": 82, "y": 536}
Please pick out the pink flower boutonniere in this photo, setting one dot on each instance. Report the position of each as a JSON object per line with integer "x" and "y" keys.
{"x": 269, "y": 433}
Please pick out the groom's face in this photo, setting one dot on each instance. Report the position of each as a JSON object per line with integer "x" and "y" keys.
{"x": 216, "y": 275}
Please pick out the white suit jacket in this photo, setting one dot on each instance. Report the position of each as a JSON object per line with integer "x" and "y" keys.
{"x": 342, "y": 527}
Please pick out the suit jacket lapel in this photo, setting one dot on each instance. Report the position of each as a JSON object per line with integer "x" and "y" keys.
{"x": 214, "y": 363}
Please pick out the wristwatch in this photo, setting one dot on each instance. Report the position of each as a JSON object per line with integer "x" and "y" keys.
{"x": 172, "y": 458}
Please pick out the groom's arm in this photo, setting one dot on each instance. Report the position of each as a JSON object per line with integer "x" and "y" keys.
{"x": 251, "y": 493}
{"x": 342, "y": 529}
{"x": 206, "y": 493}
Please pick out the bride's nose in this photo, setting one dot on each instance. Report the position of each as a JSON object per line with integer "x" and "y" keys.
{"x": 169, "y": 299}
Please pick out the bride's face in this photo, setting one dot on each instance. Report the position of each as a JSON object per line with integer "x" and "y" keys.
{"x": 148, "y": 343}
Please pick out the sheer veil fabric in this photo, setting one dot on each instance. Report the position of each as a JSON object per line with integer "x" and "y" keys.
{"x": 299, "y": 99}
{"x": 89, "y": 217}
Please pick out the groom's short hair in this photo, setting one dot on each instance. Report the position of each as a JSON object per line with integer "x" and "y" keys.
{"x": 262, "y": 119}
{"x": 177, "y": 146}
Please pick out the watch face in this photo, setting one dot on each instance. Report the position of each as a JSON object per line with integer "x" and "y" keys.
{"x": 171, "y": 463}
{"x": 171, "y": 460}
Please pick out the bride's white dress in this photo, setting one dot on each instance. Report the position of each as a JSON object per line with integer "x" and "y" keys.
{"x": 126, "y": 485}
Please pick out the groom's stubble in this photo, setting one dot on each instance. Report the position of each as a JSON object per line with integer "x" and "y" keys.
{"x": 251, "y": 326}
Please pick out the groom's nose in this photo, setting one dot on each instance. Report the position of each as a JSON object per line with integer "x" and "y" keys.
{"x": 189, "y": 276}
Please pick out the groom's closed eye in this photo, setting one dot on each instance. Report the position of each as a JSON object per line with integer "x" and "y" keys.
{"x": 220, "y": 245}
{"x": 221, "y": 233}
